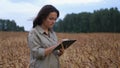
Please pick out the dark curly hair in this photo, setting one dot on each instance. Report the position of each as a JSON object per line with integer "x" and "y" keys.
{"x": 43, "y": 13}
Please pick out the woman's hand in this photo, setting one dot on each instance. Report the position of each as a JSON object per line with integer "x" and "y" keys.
{"x": 49, "y": 50}
{"x": 61, "y": 51}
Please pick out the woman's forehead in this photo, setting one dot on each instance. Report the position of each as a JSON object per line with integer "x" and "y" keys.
{"x": 53, "y": 14}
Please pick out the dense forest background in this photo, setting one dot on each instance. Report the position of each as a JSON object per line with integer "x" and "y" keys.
{"x": 103, "y": 20}
{"x": 7, "y": 25}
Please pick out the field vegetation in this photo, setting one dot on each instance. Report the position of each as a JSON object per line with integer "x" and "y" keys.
{"x": 91, "y": 50}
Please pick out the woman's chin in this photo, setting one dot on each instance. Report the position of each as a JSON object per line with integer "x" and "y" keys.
{"x": 51, "y": 27}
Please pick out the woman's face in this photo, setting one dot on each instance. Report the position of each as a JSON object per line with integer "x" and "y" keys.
{"x": 50, "y": 20}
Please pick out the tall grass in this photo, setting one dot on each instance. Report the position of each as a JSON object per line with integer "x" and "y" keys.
{"x": 91, "y": 50}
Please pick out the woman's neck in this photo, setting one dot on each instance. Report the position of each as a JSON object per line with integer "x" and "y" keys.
{"x": 45, "y": 28}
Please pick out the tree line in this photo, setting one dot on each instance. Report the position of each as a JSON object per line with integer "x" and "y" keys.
{"x": 103, "y": 20}
{"x": 9, "y": 25}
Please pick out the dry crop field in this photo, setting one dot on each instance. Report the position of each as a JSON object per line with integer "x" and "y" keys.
{"x": 91, "y": 50}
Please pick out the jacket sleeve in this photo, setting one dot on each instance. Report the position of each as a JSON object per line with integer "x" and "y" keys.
{"x": 35, "y": 46}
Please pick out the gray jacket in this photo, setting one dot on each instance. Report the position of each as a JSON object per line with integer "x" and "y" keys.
{"x": 37, "y": 42}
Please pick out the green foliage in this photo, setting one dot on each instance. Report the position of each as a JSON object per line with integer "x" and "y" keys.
{"x": 103, "y": 20}
{"x": 7, "y": 25}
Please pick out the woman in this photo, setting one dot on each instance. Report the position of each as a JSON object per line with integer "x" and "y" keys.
{"x": 42, "y": 39}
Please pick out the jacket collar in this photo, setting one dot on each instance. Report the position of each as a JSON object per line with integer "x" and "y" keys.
{"x": 41, "y": 30}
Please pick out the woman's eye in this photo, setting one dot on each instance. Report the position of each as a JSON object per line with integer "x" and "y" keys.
{"x": 52, "y": 18}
